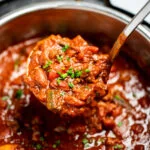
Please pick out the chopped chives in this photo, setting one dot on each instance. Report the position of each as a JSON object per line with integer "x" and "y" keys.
{"x": 133, "y": 94}
{"x": 8, "y": 106}
{"x": 62, "y": 93}
{"x": 58, "y": 81}
{"x": 72, "y": 75}
{"x": 87, "y": 70}
{"x": 64, "y": 48}
{"x": 86, "y": 145}
{"x": 38, "y": 146}
{"x": 78, "y": 73}
{"x": 56, "y": 144}
{"x": 71, "y": 85}
{"x": 87, "y": 87}
{"x": 4, "y": 98}
{"x": 68, "y": 58}
{"x": 19, "y": 93}
{"x": 120, "y": 124}
{"x": 70, "y": 71}
{"x": 59, "y": 58}
{"x": 49, "y": 70}
{"x": 41, "y": 138}
{"x": 101, "y": 140}
{"x": 118, "y": 146}
{"x": 117, "y": 97}
{"x": 63, "y": 76}
{"x": 85, "y": 141}
{"x": 47, "y": 64}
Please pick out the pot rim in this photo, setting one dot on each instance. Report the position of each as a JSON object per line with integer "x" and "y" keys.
{"x": 87, "y": 6}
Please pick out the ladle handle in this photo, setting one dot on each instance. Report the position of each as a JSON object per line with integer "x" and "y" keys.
{"x": 138, "y": 18}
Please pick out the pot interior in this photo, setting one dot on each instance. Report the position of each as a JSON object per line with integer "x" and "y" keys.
{"x": 98, "y": 26}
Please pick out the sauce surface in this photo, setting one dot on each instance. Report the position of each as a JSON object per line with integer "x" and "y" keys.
{"x": 26, "y": 124}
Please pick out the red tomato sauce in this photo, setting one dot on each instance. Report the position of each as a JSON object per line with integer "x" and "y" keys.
{"x": 26, "y": 124}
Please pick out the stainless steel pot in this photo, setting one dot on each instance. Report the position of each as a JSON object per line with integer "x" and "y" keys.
{"x": 72, "y": 18}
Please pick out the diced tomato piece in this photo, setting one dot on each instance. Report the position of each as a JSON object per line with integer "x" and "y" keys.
{"x": 64, "y": 85}
{"x": 93, "y": 49}
{"x": 52, "y": 75}
{"x": 113, "y": 69}
{"x": 61, "y": 83}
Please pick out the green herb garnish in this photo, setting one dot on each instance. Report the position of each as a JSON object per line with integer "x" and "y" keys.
{"x": 8, "y": 106}
{"x": 19, "y": 93}
{"x": 57, "y": 143}
{"x": 54, "y": 145}
{"x": 86, "y": 145}
{"x": 120, "y": 124}
{"x": 133, "y": 94}
{"x": 87, "y": 87}
{"x": 65, "y": 47}
{"x": 38, "y": 146}
{"x": 87, "y": 70}
{"x": 78, "y": 73}
{"x": 71, "y": 85}
{"x": 68, "y": 58}
{"x": 117, "y": 97}
{"x": 59, "y": 58}
{"x": 49, "y": 70}
{"x": 72, "y": 75}
{"x": 41, "y": 138}
{"x": 70, "y": 72}
{"x": 117, "y": 146}
{"x": 4, "y": 98}
{"x": 48, "y": 63}
{"x": 16, "y": 64}
{"x": 101, "y": 140}
{"x": 63, "y": 76}
{"x": 58, "y": 80}
{"x": 62, "y": 93}
{"x": 85, "y": 141}
{"x": 75, "y": 74}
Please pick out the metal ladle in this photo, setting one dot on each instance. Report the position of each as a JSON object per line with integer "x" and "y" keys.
{"x": 138, "y": 18}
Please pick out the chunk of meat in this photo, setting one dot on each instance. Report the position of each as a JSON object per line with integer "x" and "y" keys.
{"x": 8, "y": 147}
{"x": 66, "y": 75}
{"x": 40, "y": 78}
